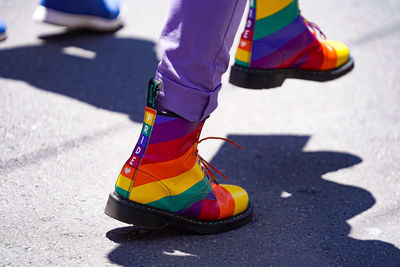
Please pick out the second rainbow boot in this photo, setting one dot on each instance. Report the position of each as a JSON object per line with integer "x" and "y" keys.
{"x": 278, "y": 43}
{"x": 166, "y": 182}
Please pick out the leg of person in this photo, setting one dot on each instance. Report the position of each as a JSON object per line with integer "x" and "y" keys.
{"x": 195, "y": 54}
{"x": 166, "y": 181}
{"x": 99, "y": 15}
{"x": 3, "y": 30}
{"x": 278, "y": 43}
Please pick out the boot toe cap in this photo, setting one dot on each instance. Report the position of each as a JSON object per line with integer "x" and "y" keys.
{"x": 342, "y": 52}
{"x": 240, "y": 197}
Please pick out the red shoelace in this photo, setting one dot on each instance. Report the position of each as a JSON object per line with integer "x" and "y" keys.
{"x": 208, "y": 166}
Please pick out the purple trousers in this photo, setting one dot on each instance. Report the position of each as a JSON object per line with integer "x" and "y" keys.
{"x": 195, "y": 44}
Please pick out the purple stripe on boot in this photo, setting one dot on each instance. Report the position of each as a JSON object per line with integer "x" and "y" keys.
{"x": 193, "y": 211}
{"x": 161, "y": 119}
{"x": 273, "y": 42}
{"x": 291, "y": 48}
{"x": 171, "y": 130}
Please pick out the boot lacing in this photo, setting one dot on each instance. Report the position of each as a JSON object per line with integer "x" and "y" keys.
{"x": 314, "y": 28}
{"x": 206, "y": 165}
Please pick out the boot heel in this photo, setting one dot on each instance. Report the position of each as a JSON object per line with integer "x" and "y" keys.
{"x": 134, "y": 213}
{"x": 254, "y": 78}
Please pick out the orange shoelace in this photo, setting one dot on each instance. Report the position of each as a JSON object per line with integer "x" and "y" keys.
{"x": 208, "y": 166}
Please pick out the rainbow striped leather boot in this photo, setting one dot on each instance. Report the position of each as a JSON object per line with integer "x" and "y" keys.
{"x": 166, "y": 182}
{"x": 278, "y": 43}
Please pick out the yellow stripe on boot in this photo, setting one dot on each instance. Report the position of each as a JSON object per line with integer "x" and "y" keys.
{"x": 243, "y": 55}
{"x": 265, "y": 8}
{"x": 123, "y": 182}
{"x": 168, "y": 187}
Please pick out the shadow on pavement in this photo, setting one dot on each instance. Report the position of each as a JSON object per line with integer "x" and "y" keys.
{"x": 100, "y": 69}
{"x": 299, "y": 218}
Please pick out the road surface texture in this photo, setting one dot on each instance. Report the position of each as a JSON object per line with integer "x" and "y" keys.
{"x": 321, "y": 160}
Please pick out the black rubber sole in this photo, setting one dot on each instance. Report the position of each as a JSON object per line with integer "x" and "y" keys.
{"x": 148, "y": 217}
{"x": 264, "y": 79}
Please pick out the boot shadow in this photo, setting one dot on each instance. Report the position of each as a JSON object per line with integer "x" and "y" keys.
{"x": 100, "y": 69}
{"x": 299, "y": 217}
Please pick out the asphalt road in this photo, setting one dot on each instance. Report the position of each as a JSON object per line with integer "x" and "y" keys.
{"x": 321, "y": 162}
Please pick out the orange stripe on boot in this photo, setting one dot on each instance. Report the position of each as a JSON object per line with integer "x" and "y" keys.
{"x": 245, "y": 44}
{"x": 225, "y": 201}
{"x": 142, "y": 178}
{"x": 171, "y": 168}
{"x": 330, "y": 56}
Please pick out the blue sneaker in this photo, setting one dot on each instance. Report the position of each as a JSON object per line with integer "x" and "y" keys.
{"x": 99, "y": 15}
{"x": 2, "y": 30}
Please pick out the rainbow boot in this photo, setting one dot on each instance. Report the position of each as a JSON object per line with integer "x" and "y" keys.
{"x": 278, "y": 43}
{"x": 166, "y": 182}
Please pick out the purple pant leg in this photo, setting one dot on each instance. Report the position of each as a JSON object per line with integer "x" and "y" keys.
{"x": 195, "y": 44}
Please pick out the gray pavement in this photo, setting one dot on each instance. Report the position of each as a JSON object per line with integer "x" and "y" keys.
{"x": 321, "y": 162}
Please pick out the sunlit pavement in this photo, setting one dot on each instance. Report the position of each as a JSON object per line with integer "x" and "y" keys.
{"x": 321, "y": 160}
